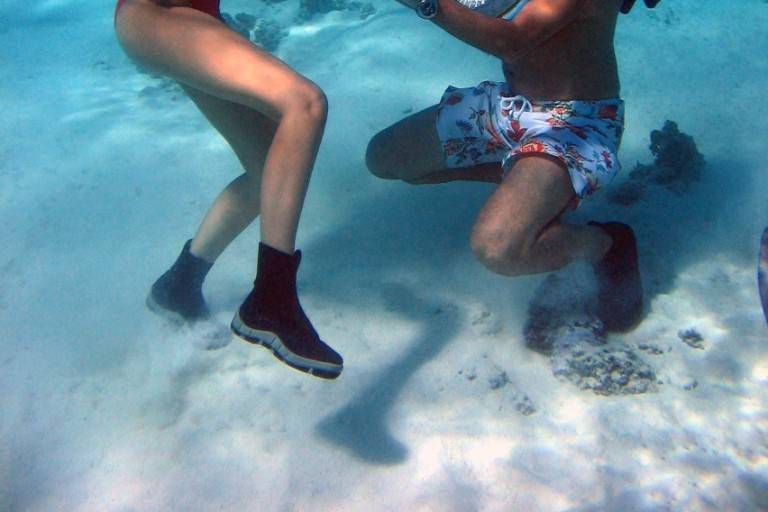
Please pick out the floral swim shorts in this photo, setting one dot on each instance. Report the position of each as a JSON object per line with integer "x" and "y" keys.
{"x": 489, "y": 123}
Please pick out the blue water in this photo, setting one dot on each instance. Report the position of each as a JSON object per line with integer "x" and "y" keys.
{"x": 106, "y": 170}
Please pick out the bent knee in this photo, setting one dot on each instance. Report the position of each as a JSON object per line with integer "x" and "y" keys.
{"x": 499, "y": 253}
{"x": 378, "y": 159}
{"x": 385, "y": 160}
{"x": 307, "y": 99}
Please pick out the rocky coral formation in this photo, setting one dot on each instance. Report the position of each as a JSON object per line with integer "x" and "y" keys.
{"x": 521, "y": 401}
{"x": 265, "y": 33}
{"x": 677, "y": 165}
{"x": 562, "y": 324}
{"x": 561, "y": 304}
{"x": 308, "y": 9}
{"x": 612, "y": 369}
{"x": 692, "y": 338}
{"x": 524, "y": 405}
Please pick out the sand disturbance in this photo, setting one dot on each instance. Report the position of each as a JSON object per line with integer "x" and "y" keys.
{"x": 563, "y": 325}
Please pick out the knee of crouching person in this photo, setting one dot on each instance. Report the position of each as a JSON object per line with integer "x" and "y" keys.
{"x": 376, "y": 159}
{"x": 497, "y": 255}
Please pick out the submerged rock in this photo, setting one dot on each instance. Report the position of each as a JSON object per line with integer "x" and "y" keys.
{"x": 521, "y": 401}
{"x": 524, "y": 405}
{"x": 563, "y": 305}
{"x": 603, "y": 369}
{"x": 268, "y": 34}
{"x": 246, "y": 20}
{"x": 469, "y": 373}
{"x": 692, "y": 338}
{"x": 265, "y": 33}
{"x": 677, "y": 165}
{"x": 486, "y": 324}
{"x": 691, "y": 385}
{"x": 498, "y": 381}
{"x": 562, "y": 324}
{"x": 236, "y": 25}
{"x": 650, "y": 348}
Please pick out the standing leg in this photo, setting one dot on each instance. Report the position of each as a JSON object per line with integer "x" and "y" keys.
{"x": 203, "y": 54}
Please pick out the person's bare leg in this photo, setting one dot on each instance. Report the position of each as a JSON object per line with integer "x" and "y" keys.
{"x": 520, "y": 229}
{"x": 249, "y": 133}
{"x": 200, "y": 51}
{"x": 410, "y": 150}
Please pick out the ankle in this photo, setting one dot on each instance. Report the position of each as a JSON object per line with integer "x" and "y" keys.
{"x": 190, "y": 269}
{"x": 199, "y": 252}
{"x": 274, "y": 288}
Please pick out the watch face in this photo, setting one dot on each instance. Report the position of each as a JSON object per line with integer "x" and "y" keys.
{"x": 427, "y": 8}
{"x": 493, "y": 8}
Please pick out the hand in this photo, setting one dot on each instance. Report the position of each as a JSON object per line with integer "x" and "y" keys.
{"x": 628, "y": 4}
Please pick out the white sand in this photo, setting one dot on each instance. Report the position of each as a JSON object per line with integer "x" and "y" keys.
{"x": 104, "y": 407}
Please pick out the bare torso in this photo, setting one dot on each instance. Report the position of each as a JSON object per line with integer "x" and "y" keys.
{"x": 577, "y": 63}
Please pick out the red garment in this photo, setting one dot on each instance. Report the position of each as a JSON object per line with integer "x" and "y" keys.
{"x": 207, "y": 6}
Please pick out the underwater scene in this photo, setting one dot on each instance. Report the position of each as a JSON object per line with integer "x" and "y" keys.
{"x": 500, "y": 353}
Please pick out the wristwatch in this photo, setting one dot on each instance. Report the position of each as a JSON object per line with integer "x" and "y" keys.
{"x": 426, "y": 9}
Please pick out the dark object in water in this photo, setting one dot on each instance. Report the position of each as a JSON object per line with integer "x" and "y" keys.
{"x": 628, "y": 4}
{"x": 762, "y": 273}
{"x": 676, "y": 155}
{"x": 678, "y": 164}
{"x": 498, "y": 381}
{"x": 692, "y": 338}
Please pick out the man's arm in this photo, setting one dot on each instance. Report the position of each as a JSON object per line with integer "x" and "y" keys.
{"x": 507, "y": 39}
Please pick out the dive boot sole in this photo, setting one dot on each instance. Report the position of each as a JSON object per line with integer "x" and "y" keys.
{"x": 272, "y": 341}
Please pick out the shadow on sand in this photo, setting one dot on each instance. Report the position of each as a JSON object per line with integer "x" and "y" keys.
{"x": 361, "y": 426}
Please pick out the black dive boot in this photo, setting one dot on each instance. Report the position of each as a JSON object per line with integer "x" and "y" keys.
{"x": 178, "y": 294}
{"x": 272, "y": 316}
{"x": 620, "y": 291}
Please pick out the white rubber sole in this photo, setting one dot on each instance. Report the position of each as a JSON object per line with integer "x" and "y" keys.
{"x": 169, "y": 315}
{"x": 273, "y": 342}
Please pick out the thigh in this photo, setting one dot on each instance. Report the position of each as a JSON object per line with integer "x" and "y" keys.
{"x": 536, "y": 192}
{"x": 248, "y": 132}
{"x": 409, "y": 149}
{"x": 202, "y": 52}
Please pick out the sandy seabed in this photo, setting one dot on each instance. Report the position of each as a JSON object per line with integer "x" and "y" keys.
{"x": 104, "y": 172}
